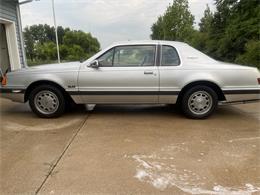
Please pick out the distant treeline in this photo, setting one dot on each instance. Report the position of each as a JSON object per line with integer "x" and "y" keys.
{"x": 229, "y": 34}
{"x": 40, "y": 44}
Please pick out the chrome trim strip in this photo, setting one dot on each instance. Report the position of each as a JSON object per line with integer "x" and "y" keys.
{"x": 242, "y": 91}
{"x": 12, "y": 90}
{"x": 123, "y": 92}
{"x": 226, "y": 92}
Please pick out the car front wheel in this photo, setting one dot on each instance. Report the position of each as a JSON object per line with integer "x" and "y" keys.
{"x": 47, "y": 101}
{"x": 199, "y": 102}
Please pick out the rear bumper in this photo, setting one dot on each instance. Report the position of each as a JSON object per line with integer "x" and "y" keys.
{"x": 242, "y": 95}
{"x": 16, "y": 95}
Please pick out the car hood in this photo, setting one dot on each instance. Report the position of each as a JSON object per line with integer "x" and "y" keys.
{"x": 69, "y": 66}
{"x": 61, "y": 66}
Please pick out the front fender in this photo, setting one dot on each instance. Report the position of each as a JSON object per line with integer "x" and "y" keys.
{"x": 64, "y": 79}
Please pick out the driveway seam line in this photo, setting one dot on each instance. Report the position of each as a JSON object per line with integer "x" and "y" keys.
{"x": 62, "y": 154}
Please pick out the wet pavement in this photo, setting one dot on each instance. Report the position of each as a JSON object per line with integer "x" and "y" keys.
{"x": 130, "y": 150}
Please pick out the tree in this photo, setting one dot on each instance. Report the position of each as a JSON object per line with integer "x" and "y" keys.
{"x": 40, "y": 44}
{"x": 176, "y": 23}
{"x": 206, "y": 21}
{"x": 251, "y": 55}
{"x": 46, "y": 51}
{"x": 29, "y": 44}
{"x": 157, "y": 29}
{"x": 229, "y": 34}
{"x": 200, "y": 38}
{"x": 89, "y": 44}
{"x": 234, "y": 26}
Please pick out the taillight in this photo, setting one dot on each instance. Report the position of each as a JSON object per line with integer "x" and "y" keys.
{"x": 258, "y": 81}
{"x": 4, "y": 80}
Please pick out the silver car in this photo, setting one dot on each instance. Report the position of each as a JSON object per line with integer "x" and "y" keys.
{"x": 135, "y": 72}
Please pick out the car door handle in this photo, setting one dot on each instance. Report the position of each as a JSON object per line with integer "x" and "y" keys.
{"x": 148, "y": 72}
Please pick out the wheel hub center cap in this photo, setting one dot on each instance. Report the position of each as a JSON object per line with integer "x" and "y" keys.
{"x": 46, "y": 101}
{"x": 199, "y": 100}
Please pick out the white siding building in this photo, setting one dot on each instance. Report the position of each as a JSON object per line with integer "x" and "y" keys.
{"x": 12, "y": 55}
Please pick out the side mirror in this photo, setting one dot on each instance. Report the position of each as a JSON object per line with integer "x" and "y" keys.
{"x": 81, "y": 60}
{"x": 94, "y": 64}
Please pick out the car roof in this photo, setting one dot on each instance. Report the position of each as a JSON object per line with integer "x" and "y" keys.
{"x": 147, "y": 42}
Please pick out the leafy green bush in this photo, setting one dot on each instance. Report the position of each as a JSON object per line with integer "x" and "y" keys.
{"x": 229, "y": 34}
{"x": 40, "y": 44}
{"x": 251, "y": 56}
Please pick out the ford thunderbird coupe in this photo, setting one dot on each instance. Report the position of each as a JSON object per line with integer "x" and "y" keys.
{"x": 135, "y": 72}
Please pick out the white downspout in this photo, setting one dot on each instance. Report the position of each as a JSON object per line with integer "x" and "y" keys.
{"x": 21, "y": 35}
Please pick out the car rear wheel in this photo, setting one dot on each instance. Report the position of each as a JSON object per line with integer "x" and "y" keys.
{"x": 199, "y": 102}
{"x": 47, "y": 101}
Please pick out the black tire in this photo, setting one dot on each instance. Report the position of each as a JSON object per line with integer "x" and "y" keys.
{"x": 199, "y": 102}
{"x": 58, "y": 100}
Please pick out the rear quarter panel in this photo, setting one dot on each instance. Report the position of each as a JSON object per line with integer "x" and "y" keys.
{"x": 227, "y": 78}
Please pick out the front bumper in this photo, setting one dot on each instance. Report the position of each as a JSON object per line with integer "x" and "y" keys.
{"x": 16, "y": 95}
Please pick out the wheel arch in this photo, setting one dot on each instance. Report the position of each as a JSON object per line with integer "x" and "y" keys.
{"x": 44, "y": 82}
{"x": 212, "y": 85}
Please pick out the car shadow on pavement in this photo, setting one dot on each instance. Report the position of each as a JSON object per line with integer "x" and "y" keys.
{"x": 165, "y": 110}
{"x": 16, "y": 110}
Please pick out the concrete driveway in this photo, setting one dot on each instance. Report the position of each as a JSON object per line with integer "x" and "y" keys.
{"x": 130, "y": 150}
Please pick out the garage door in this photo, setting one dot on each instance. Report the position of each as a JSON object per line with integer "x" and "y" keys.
{"x": 4, "y": 56}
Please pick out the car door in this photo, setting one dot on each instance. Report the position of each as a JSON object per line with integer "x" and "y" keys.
{"x": 170, "y": 74}
{"x": 126, "y": 74}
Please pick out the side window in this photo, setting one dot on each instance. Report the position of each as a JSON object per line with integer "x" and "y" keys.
{"x": 170, "y": 56}
{"x": 106, "y": 60}
{"x": 131, "y": 56}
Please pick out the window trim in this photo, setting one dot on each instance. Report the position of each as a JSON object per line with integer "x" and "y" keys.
{"x": 158, "y": 55}
{"x": 114, "y": 49}
{"x": 161, "y": 50}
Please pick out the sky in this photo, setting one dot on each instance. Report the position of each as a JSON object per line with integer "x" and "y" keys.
{"x": 108, "y": 20}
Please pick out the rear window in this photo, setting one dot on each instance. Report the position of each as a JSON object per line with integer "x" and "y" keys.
{"x": 170, "y": 56}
